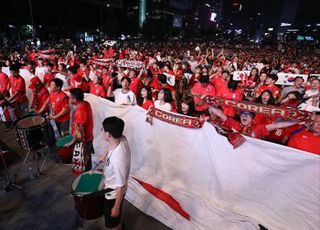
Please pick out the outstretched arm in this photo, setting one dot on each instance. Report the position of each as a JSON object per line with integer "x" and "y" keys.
{"x": 218, "y": 112}
{"x": 281, "y": 124}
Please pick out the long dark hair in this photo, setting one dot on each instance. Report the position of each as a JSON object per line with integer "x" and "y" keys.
{"x": 167, "y": 95}
{"x": 149, "y": 95}
{"x": 271, "y": 100}
{"x": 189, "y": 100}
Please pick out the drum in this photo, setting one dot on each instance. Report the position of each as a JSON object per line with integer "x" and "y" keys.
{"x": 88, "y": 198}
{"x": 32, "y": 132}
{"x": 65, "y": 153}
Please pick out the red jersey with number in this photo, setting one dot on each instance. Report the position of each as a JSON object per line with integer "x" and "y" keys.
{"x": 83, "y": 116}
{"x": 59, "y": 101}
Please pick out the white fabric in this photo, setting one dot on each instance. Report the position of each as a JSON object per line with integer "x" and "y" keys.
{"x": 121, "y": 98}
{"x": 117, "y": 167}
{"x": 220, "y": 187}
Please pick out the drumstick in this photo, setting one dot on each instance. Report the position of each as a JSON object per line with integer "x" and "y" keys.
{"x": 101, "y": 159}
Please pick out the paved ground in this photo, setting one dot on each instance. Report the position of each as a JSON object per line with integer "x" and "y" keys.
{"x": 46, "y": 202}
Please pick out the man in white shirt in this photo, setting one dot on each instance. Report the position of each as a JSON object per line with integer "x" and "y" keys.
{"x": 123, "y": 96}
{"x": 117, "y": 160}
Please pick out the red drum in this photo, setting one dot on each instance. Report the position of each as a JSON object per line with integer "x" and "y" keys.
{"x": 65, "y": 153}
{"x": 88, "y": 198}
{"x": 32, "y": 132}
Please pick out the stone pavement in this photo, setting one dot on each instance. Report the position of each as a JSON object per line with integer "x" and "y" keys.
{"x": 45, "y": 202}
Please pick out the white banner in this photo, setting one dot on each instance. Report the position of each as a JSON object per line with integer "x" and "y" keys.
{"x": 210, "y": 184}
{"x": 240, "y": 75}
{"x": 288, "y": 78}
{"x": 130, "y": 64}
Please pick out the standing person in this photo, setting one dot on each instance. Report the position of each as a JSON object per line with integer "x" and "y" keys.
{"x": 18, "y": 87}
{"x": 40, "y": 94}
{"x": 82, "y": 131}
{"x": 58, "y": 102}
{"x": 117, "y": 161}
{"x": 4, "y": 83}
{"x": 123, "y": 96}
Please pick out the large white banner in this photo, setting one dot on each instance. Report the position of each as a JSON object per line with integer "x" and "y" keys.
{"x": 206, "y": 184}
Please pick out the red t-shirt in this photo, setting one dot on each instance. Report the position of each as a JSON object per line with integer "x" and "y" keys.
{"x": 198, "y": 89}
{"x": 98, "y": 90}
{"x": 41, "y": 98}
{"x": 236, "y": 95}
{"x": 256, "y": 131}
{"x": 306, "y": 141}
{"x": 83, "y": 116}
{"x": 4, "y": 82}
{"x": 18, "y": 84}
{"x": 106, "y": 79}
{"x": 59, "y": 101}
{"x": 135, "y": 85}
{"x": 147, "y": 104}
{"x": 221, "y": 86}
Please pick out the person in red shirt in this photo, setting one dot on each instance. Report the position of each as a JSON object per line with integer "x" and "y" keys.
{"x": 136, "y": 83}
{"x": 269, "y": 85}
{"x": 48, "y": 75}
{"x": 4, "y": 84}
{"x": 58, "y": 102}
{"x": 40, "y": 94}
{"x": 201, "y": 89}
{"x": 97, "y": 88}
{"x": 145, "y": 98}
{"x": 18, "y": 86}
{"x": 221, "y": 84}
{"x": 232, "y": 92}
{"x": 265, "y": 98}
{"x": 308, "y": 139}
{"x": 246, "y": 126}
{"x": 82, "y": 125}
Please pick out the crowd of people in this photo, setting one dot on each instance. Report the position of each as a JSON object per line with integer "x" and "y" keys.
{"x": 171, "y": 77}
{"x": 174, "y": 77}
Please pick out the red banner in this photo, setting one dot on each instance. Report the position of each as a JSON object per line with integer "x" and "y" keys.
{"x": 176, "y": 119}
{"x": 282, "y": 112}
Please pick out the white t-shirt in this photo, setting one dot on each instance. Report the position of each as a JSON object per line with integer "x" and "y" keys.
{"x": 165, "y": 107}
{"x": 40, "y": 72}
{"x": 117, "y": 167}
{"x": 124, "y": 98}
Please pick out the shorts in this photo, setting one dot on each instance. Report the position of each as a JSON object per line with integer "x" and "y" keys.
{"x": 111, "y": 222}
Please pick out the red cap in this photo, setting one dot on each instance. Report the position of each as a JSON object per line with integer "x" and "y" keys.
{"x": 34, "y": 82}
